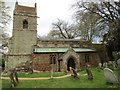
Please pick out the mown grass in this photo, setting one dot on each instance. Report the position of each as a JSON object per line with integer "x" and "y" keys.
{"x": 69, "y": 82}
{"x": 37, "y": 75}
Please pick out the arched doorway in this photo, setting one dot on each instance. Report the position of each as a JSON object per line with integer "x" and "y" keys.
{"x": 70, "y": 63}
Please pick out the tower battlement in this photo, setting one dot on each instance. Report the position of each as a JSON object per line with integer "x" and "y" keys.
{"x": 25, "y": 9}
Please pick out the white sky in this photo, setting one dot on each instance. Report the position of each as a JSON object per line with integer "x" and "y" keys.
{"x": 48, "y": 11}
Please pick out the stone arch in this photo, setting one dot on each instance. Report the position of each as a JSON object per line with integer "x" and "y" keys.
{"x": 71, "y": 62}
{"x": 70, "y": 54}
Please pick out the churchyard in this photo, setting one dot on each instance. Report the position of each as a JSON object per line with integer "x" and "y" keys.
{"x": 99, "y": 80}
{"x": 81, "y": 54}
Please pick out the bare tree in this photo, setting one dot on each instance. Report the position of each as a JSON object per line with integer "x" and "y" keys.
{"x": 88, "y": 27}
{"x": 67, "y": 31}
{"x": 108, "y": 13}
{"x": 54, "y": 34}
{"x": 4, "y": 19}
{"x": 108, "y": 21}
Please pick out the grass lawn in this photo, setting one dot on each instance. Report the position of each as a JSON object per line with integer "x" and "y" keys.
{"x": 69, "y": 82}
{"x": 37, "y": 75}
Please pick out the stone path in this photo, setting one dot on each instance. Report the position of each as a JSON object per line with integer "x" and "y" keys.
{"x": 38, "y": 78}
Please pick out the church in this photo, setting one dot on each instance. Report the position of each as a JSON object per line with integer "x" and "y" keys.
{"x": 45, "y": 55}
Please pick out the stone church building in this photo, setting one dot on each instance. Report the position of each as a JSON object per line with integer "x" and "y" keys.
{"x": 45, "y": 54}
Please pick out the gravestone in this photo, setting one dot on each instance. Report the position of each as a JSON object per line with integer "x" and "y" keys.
{"x": 105, "y": 64}
{"x": 13, "y": 72}
{"x": 114, "y": 65}
{"x": 110, "y": 76}
{"x": 89, "y": 73}
{"x": 73, "y": 73}
{"x": 14, "y": 78}
{"x": 109, "y": 62}
{"x": 100, "y": 65}
{"x": 118, "y": 62}
{"x": 13, "y": 84}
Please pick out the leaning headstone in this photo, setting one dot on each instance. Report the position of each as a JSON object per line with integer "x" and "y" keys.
{"x": 13, "y": 83}
{"x": 73, "y": 73}
{"x": 89, "y": 73}
{"x": 118, "y": 63}
{"x": 14, "y": 78}
{"x": 110, "y": 76}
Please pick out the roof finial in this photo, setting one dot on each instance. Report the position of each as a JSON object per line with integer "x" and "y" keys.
{"x": 35, "y": 5}
{"x": 16, "y": 2}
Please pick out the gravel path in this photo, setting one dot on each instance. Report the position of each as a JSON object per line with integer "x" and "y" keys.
{"x": 38, "y": 78}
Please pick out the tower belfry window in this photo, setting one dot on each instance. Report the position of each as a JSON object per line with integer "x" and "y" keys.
{"x": 25, "y": 24}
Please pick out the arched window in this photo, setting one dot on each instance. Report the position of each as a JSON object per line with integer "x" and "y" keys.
{"x": 52, "y": 59}
{"x": 87, "y": 58}
{"x": 25, "y": 24}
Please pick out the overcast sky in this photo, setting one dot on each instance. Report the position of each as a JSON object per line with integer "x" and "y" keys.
{"x": 48, "y": 11}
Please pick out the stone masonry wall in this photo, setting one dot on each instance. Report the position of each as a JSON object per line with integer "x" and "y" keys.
{"x": 41, "y": 62}
{"x": 93, "y": 60}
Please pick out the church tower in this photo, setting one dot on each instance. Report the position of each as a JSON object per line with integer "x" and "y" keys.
{"x": 24, "y": 35}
